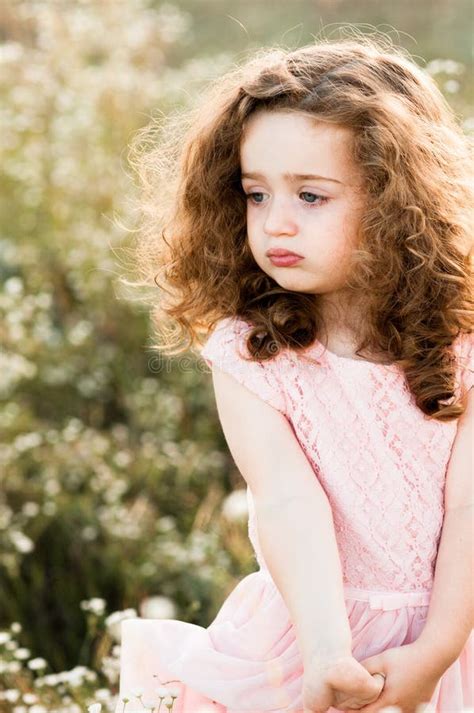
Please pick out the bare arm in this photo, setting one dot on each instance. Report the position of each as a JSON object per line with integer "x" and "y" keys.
{"x": 294, "y": 517}
{"x": 451, "y": 611}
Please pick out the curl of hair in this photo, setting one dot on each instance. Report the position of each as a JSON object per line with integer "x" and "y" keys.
{"x": 411, "y": 274}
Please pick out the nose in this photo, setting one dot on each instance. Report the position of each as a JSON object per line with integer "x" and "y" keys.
{"x": 279, "y": 219}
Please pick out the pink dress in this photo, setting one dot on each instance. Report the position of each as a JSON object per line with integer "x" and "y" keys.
{"x": 382, "y": 464}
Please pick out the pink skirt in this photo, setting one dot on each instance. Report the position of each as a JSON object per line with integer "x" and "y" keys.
{"x": 247, "y": 660}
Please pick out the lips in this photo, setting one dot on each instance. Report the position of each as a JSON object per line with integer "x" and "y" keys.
{"x": 280, "y": 252}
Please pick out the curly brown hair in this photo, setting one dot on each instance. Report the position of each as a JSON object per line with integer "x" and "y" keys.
{"x": 411, "y": 272}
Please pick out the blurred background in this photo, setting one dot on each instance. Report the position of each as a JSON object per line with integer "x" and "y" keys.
{"x": 118, "y": 495}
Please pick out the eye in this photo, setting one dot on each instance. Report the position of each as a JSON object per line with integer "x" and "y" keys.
{"x": 317, "y": 199}
{"x": 322, "y": 199}
{"x": 252, "y": 195}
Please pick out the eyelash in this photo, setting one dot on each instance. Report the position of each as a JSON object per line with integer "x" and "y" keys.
{"x": 322, "y": 199}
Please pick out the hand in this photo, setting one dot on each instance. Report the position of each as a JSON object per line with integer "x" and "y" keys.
{"x": 339, "y": 681}
{"x": 411, "y": 679}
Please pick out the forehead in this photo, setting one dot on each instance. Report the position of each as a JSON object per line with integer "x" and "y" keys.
{"x": 285, "y": 141}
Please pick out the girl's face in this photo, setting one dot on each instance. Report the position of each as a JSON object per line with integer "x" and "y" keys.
{"x": 303, "y": 195}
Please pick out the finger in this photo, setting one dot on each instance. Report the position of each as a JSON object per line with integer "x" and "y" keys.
{"x": 379, "y": 705}
{"x": 381, "y": 677}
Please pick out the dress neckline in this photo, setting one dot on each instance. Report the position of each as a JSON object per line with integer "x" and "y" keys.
{"x": 332, "y": 356}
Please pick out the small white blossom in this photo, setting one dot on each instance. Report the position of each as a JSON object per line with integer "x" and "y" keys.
{"x": 158, "y": 607}
{"x": 13, "y": 667}
{"x": 4, "y": 637}
{"x": 27, "y": 441}
{"x": 22, "y": 654}
{"x": 52, "y": 679}
{"x": 166, "y": 523}
{"x": 174, "y": 691}
{"x": 113, "y": 622}
{"x": 21, "y": 541}
{"x": 13, "y": 286}
{"x": 102, "y": 694}
{"x": 95, "y": 605}
{"x": 452, "y": 86}
{"x": 95, "y": 708}
{"x": 30, "y": 509}
{"x": 11, "y": 695}
{"x": 37, "y": 664}
{"x": 235, "y": 505}
{"x": 29, "y": 698}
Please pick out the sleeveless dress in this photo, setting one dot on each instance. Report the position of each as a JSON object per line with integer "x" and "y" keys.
{"x": 382, "y": 464}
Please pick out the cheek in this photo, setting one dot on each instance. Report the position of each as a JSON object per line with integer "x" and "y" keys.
{"x": 252, "y": 222}
{"x": 340, "y": 233}
{"x": 255, "y": 243}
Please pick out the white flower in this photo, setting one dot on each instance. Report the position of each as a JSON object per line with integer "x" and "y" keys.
{"x": 16, "y": 627}
{"x": 158, "y": 607}
{"x": 30, "y": 509}
{"x": 80, "y": 332}
{"x": 113, "y": 622}
{"x": 26, "y": 441}
{"x": 102, "y": 694}
{"x": 13, "y": 286}
{"x": 452, "y": 86}
{"x": 30, "y": 698}
{"x": 448, "y": 66}
{"x": 95, "y": 708}
{"x": 52, "y": 679}
{"x": 96, "y": 605}
{"x": 22, "y": 654}
{"x": 21, "y": 542}
{"x": 11, "y": 695}
{"x": 4, "y": 637}
{"x": 38, "y": 708}
{"x": 166, "y": 523}
{"x": 36, "y": 664}
{"x": 13, "y": 667}
{"x": 235, "y": 506}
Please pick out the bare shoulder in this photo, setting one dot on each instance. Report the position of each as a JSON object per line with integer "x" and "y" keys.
{"x": 262, "y": 442}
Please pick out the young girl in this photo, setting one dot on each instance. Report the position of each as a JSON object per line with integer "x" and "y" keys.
{"x": 313, "y": 216}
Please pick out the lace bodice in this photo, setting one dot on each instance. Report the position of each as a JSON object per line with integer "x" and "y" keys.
{"x": 380, "y": 460}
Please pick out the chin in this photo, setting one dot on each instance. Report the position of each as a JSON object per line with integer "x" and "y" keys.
{"x": 288, "y": 278}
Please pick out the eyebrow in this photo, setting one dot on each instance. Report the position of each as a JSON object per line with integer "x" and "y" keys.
{"x": 294, "y": 177}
